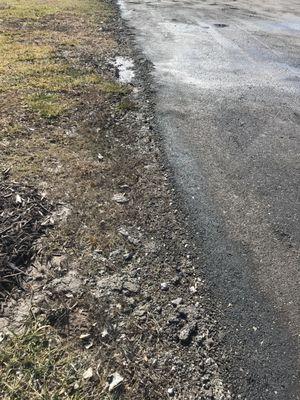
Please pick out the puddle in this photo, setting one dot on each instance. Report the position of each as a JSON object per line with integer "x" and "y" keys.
{"x": 125, "y": 68}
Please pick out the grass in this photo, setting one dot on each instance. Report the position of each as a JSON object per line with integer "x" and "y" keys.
{"x": 51, "y": 83}
{"x": 48, "y": 105}
{"x": 34, "y": 69}
{"x": 36, "y": 9}
{"x": 38, "y": 364}
{"x": 59, "y": 101}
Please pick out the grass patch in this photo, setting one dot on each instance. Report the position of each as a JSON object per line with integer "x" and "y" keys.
{"x": 38, "y": 364}
{"x": 34, "y": 69}
{"x": 127, "y": 105}
{"x": 36, "y": 9}
{"x": 48, "y": 105}
{"x": 58, "y": 103}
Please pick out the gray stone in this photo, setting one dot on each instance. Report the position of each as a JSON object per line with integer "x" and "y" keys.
{"x": 131, "y": 287}
{"x": 186, "y": 333}
{"x": 120, "y": 198}
{"x": 177, "y": 302}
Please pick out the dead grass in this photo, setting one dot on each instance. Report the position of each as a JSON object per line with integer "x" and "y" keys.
{"x": 35, "y": 9}
{"x": 56, "y": 100}
{"x": 23, "y": 220}
{"x": 39, "y": 364}
{"x": 50, "y": 86}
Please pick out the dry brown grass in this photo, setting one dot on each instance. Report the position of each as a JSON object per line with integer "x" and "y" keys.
{"x": 39, "y": 364}
{"x": 56, "y": 96}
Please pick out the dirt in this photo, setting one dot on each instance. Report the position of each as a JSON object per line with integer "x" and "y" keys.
{"x": 115, "y": 279}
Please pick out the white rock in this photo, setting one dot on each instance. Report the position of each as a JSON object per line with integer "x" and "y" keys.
{"x": 104, "y": 333}
{"x": 84, "y": 336}
{"x": 88, "y": 373}
{"x": 117, "y": 379}
{"x": 120, "y": 198}
{"x": 164, "y": 286}
{"x": 176, "y": 302}
{"x": 18, "y": 199}
{"x": 193, "y": 289}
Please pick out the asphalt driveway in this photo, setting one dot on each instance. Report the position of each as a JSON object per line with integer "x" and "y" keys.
{"x": 227, "y": 82}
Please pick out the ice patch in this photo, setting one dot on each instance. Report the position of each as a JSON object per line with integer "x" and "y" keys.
{"x": 125, "y": 68}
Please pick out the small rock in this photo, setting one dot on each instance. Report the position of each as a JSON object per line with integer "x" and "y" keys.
{"x": 88, "y": 373}
{"x": 114, "y": 253}
{"x": 125, "y": 187}
{"x": 133, "y": 240}
{"x": 128, "y": 256}
{"x": 177, "y": 301}
{"x": 187, "y": 332}
{"x": 84, "y": 336}
{"x": 104, "y": 333}
{"x": 171, "y": 392}
{"x": 115, "y": 380}
{"x": 164, "y": 286}
{"x": 193, "y": 289}
{"x": 18, "y": 199}
{"x": 176, "y": 280}
{"x": 120, "y": 198}
{"x": 131, "y": 287}
{"x": 100, "y": 157}
{"x": 123, "y": 231}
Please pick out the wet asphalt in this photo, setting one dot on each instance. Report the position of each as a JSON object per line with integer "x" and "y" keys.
{"x": 227, "y": 81}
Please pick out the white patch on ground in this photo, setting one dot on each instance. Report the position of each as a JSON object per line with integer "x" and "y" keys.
{"x": 126, "y": 69}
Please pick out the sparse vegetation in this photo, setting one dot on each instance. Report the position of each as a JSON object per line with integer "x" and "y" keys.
{"x": 39, "y": 364}
{"x": 51, "y": 83}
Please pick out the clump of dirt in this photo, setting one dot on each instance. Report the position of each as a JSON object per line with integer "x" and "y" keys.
{"x": 22, "y": 219}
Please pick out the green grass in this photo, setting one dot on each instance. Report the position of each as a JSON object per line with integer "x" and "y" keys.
{"x": 48, "y": 105}
{"x": 32, "y": 67}
{"x": 36, "y": 9}
{"x": 38, "y": 364}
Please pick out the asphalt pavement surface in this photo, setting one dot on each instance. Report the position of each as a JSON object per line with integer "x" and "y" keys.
{"x": 227, "y": 82}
